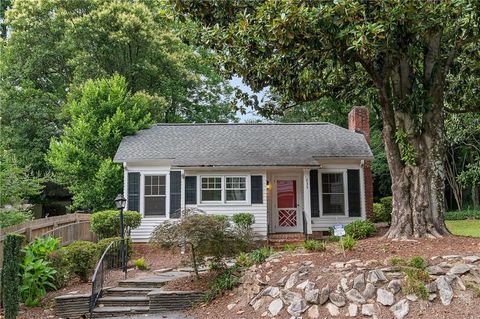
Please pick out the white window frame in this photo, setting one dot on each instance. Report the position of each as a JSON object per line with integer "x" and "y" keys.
{"x": 246, "y": 188}
{"x": 221, "y": 189}
{"x": 165, "y": 195}
{"x": 345, "y": 190}
{"x": 223, "y": 200}
{"x": 149, "y": 172}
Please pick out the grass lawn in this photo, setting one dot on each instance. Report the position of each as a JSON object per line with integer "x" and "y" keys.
{"x": 464, "y": 227}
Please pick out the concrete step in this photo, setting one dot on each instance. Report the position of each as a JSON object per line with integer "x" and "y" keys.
{"x": 126, "y": 291}
{"x": 106, "y": 312}
{"x": 124, "y": 301}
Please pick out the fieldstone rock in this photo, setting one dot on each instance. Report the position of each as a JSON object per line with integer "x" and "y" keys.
{"x": 284, "y": 268}
{"x": 282, "y": 281}
{"x": 290, "y": 297}
{"x": 297, "y": 307}
{"x": 337, "y": 299}
{"x": 275, "y": 307}
{"x": 385, "y": 297}
{"x": 445, "y": 290}
{"x": 352, "y": 310}
{"x": 313, "y": 312}
{"x": 344, "y": 284}
{"x": 354, "y": 296}
{"x": 412, "y": 297}
{"x": 432, "y": 297}
{"x": 369, "y": 291}
{"x": 292, "y": 280}
{"x": 431, "y": 287}
{"x": 459, "y": 269}
{"x": 311, "y": 295}
{"x": 324, "y": 295}
{"x": 303, "y": 285}
{"x": 371, "y": 263}
{"x": 368, "y": 309}
{"x": 400, "y": 309}
{"x": 459, "y": 284}
{"x": 375, "y": 276}
{"x": 395, "y": 286}
{"x": 471, "y": 259}
{"x": 359, "y": 282}
{"x": 338, "y": 265}
{"x": 451, "y": 257}
{"x": 333, "y": 310}
{"x": 261, "y": 301}
{"x": 435, "y": 270}
{"x": 354, "y": 261}
{"x": 269, "y": 291}
{"x": 231, "y": 306}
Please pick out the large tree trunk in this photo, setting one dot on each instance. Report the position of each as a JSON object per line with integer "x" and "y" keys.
{"x": 418, "y": 187}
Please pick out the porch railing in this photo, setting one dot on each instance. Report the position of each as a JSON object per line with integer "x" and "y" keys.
{"x": 110, "y": 260}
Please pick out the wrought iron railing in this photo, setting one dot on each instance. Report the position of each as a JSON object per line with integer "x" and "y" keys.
{"x": 110, "y": 260}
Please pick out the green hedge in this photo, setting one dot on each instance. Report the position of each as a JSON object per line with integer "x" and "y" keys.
{"x": 462, "y": 214}
{"x": 106, "y": 224}
{"x": 12, "y": 258}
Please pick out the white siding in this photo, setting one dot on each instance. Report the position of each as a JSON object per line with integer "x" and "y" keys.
{"x": 324, "y": 223}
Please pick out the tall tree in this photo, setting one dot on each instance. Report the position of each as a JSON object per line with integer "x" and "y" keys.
{"x": 101, "y": 114}
{"x": 402, "y": 51}
{"x": 54, "y": 46}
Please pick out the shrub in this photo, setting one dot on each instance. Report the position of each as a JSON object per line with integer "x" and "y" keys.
{"x": 415, "y": 282}
{"x": 348, "y": 242}
{"x": 388, "y": 207}
{"x": 462, "y": 215}
{"x": 360, "y": 229}
{"x": 244, "y": 260}
{"x": 106, "y": 223}
{"x": 380, "y": 215}
{"x": 397, "y": 261}
{"x": 227, "y": 280}
{"x": 417, "y": 262}
{"x": 59, "y": 262}
{"x": 289, "y": 247}
{"x": 103, "y": 244}
{"x": 42, "y": 247}
{"x": 258, "y": 256}
{"x": 204, "y": 235}
{"x": 14, "y": 217}
{"x": 81, "y": 257}
{"x": 243, "y": 220}
{"x": 140, "y": 264}
{"x": 315, "y": 245}
{"x": 12, "y": 257}
{"x": 243, "y": 223}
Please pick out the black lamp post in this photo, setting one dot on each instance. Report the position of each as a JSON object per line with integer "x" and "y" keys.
{"x": 120, "y": 203}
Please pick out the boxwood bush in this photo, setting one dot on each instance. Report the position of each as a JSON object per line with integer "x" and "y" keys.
{"x": 81, "y": 257}
{"x": 12, "y": 258}
{"x": 106, "y": 224}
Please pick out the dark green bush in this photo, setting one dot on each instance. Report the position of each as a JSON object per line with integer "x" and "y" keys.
{"x": 462, "y": 215}
{"x": 106, "y": 223}
{"x": 388, "y": 208}
{"x": 360, "y": 229}
{"x": 59, "y": 262}
{"x": 417, "y": 262}
{"x": 81, "y": 257}
{"x": 12, "y": 258}
{"x": 380, "y": 215}
{"x": 14, "y": 217}
{"x": 103, "y": 244}
{"x": 243, "y": 220}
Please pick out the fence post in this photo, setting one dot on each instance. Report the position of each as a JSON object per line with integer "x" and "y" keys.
{"x": 28, "y": 234}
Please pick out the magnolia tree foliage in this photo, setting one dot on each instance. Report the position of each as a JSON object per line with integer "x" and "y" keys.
{"x": 100, "y": 115}
{"x": 410, "y": 60}
{"x": 204, "y": 235}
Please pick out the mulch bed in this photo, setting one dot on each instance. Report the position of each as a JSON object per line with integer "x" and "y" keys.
{"x": 375, "y": 248}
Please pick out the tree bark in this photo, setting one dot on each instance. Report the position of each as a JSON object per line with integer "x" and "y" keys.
{"x": 418, "y": 188}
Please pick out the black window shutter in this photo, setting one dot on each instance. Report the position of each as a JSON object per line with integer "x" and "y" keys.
{"x": 190, "y": 190}
{"x": 314, "y": 200}
{"x": 354, "y": 201}
{"x": 256, "y": 183}
{"x": 175, "y": 193}
{"x": 133, "y": 196}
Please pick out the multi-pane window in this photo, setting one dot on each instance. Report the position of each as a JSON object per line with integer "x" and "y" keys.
{"x": 236, "y": 188}
{"x": 211, "y": 189}
{"x": 333, "y": 194}
{"x": 155, "y": 195}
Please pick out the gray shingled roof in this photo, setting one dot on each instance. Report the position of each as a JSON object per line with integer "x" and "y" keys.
{"x": 192, "y": 145}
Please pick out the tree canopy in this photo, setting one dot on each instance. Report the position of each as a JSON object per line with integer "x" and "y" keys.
{"x": 403, "y": 57}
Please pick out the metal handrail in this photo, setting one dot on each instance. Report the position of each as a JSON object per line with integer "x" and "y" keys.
{"x": 111, "y": 259}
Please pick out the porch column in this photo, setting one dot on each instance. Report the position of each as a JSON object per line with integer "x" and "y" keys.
{"x": 306, "y": 199}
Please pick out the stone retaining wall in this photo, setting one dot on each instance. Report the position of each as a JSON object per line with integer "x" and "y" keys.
{"x": 173, "y": 300}
{"x": 72, "y": 306}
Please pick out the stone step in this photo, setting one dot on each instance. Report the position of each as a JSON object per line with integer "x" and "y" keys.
{"x": 126, "y": 291}
{"x": 106, "y": 312}
{"x": 124, "y": 301}
{"x": 153, "y": 281}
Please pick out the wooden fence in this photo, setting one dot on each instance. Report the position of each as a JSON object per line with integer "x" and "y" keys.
{"x": 69, "y": 228}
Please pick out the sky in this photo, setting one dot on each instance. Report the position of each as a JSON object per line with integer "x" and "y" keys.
{"x": 251, "y": 114}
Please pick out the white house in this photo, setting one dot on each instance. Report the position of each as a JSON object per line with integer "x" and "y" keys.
{"x": 295, "y": 177}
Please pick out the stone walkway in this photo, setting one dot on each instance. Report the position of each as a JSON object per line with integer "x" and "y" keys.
{"x": 167, "y": 315}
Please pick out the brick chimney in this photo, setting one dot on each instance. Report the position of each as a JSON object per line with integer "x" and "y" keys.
{"x": 359, "y": 121}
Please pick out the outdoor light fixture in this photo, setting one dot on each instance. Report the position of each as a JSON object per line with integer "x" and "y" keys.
{"x": 268, "y": 185}
{"x": 120, "y": 203}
